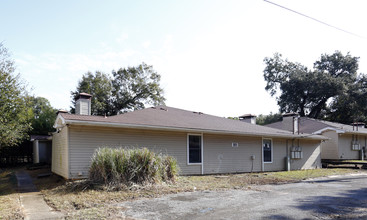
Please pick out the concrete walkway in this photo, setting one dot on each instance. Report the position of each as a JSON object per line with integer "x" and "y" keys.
{"x": 33, "y": 205}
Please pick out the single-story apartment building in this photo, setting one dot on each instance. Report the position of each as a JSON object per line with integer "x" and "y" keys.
{"x": 345, "y": 141}
{"x": 201, "y": 143}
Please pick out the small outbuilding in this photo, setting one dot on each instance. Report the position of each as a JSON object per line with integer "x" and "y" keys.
{"x": 42, "y": 148}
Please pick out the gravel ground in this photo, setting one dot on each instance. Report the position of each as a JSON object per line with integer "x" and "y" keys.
{"x": 343, "y": 197}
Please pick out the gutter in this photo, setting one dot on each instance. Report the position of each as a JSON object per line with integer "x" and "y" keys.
{"x": 150, "y": 127}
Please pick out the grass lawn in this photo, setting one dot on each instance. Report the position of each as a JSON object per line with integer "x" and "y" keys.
{"x": 79, "y": 200}
{"x": 9, "y": 198}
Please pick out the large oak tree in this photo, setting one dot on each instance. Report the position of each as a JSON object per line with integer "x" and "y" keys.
{"x": 127, "y": 89}
{"x": 332, "y": 89}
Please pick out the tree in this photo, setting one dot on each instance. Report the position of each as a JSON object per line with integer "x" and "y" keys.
{"x": 14, "y": 111}
{"x": 134, "y": 87}
{"x": 308, "y": 92}
{"x": 43, "y": 116}
{"x": 128, "y": 89}
{"x": 268, "y": 119}
{"x": 100, "y": 86}
{"x": 350, "y": 106}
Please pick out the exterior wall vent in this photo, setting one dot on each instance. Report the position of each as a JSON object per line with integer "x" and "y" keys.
{"x": 234, "y": 144}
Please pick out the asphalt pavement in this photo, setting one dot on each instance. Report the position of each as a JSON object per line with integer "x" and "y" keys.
{"x": 341, "y": 197}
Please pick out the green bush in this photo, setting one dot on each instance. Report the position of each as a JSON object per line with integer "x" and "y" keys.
{"x": 115, "y": 166}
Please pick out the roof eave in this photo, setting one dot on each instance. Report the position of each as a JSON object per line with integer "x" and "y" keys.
{"x": 338, "y": 131}
{"x": 151, "y": 127}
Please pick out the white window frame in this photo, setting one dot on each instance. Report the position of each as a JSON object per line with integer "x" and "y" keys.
{"x": 262, "y": 149}
{"x": 188, "y": 151}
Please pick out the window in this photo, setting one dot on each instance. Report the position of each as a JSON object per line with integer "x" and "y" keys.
{"x": 267, "y": 150}
{"x": 194, "y": 148}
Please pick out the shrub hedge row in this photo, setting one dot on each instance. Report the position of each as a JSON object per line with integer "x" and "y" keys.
{"x": 128, "y": 166}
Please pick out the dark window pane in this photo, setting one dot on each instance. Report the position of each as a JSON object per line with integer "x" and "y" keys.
{"x": 267, "y": 150}
{"x": 194, "y": 149}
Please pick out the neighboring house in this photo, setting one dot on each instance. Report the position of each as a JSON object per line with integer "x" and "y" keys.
{"x": 345, "y": 141}
{"x": 42, "y": 148}
{"x": 201, "y": 143}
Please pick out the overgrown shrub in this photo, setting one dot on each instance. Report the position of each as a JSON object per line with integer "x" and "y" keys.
{"x": 114, "y": 166}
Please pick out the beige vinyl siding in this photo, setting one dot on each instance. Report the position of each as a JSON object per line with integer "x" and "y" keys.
{"x": 311, "y": 156}
{"x": 60, "y": 156}
{"x": 218, "y": 154}
{"x": 345, "y": 147}
{"x": 221, "y": 157}
{"x": 279, "y": 156}
{"x": 85, "y": 140}
{"x": 329, "y": 148}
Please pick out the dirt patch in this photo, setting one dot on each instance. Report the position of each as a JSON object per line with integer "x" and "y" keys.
{"x": 9, "y": 197}
{"x": 184, "y": 198}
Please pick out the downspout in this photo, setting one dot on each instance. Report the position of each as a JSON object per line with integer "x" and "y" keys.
{"x": 288, "y": 162}
{"x": 262, "y": 155}
{"x": 202, "y": 154}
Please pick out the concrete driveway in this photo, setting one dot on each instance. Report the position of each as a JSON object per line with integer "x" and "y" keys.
{"x": 343, "y": 197}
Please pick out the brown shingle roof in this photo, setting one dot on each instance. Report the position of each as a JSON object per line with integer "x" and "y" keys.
{"x": 173, "y": 118}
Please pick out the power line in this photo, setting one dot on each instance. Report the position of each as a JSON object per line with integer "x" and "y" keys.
{"x": 309, "y": 17}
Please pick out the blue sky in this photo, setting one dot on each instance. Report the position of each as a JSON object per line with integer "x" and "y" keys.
{"x": 209, "y": 53}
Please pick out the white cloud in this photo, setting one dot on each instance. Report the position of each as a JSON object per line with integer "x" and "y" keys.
{"x": 123, "y": 37}
{"x": 146, "y": 44}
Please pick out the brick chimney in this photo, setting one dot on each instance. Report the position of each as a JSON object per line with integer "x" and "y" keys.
{"x": 249, "y": 118}
{"x": 291, "y": 120}
{"x": 83, "y": 104}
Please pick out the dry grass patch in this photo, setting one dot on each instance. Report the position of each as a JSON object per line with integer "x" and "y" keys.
{"x": 9, "y": 198}
{"x": 81, "y": 199}
{"x": 299, "y": 175}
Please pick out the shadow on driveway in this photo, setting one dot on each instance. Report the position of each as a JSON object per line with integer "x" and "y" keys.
{"x": 349, "y": 205}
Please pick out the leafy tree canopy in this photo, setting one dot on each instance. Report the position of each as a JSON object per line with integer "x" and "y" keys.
{"x": 127, "y": 89}
{"x": 268, "y": 119}
{"x": 100, "y": 86}
{"x": 321, "y": 92}
{"x": 14, "y": 111}
{"x": 43, "y": 115}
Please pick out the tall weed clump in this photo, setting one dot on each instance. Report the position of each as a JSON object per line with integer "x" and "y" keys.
{"x": 113, "y": 166}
